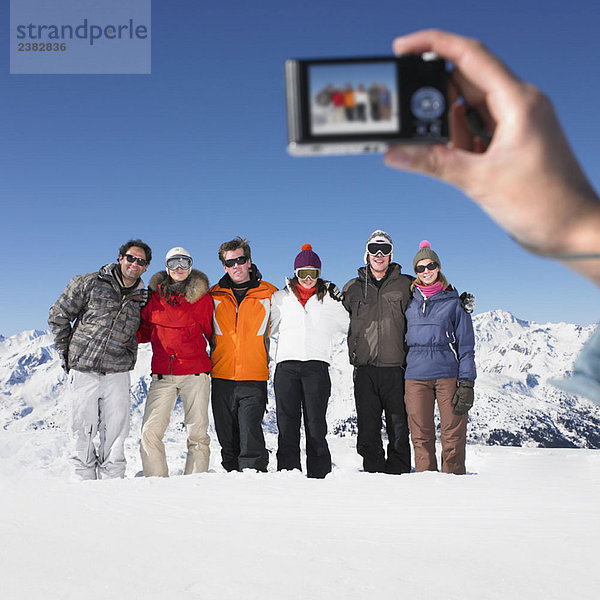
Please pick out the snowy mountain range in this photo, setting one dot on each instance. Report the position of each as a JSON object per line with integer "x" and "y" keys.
{"x": 514, "y": 405}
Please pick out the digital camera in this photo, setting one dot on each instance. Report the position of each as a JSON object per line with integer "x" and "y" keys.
{"x": 365, "y": 104}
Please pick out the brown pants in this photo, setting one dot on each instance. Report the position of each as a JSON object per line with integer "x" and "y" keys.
{"x": 420, "y": 397}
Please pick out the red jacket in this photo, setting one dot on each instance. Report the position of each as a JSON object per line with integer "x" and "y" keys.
{"x": 179, "y": 326}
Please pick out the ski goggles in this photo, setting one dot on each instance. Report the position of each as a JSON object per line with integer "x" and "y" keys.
{"x": 240, "y": 260}
{"x": 375, "y": 248}
{"x": 140, "y": 261}
{"x": 176, "y": 262}
{"x": 432, "y": 266}
{"x": 306, "y": 273}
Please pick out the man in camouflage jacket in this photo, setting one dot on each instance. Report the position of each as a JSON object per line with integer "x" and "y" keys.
{"x": 94, "y": 323}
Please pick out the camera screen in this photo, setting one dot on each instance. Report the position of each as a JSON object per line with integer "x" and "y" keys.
{"x": 353, "y": 98}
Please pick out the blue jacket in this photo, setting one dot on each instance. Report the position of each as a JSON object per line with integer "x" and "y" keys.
{"x": 440, "y": 338}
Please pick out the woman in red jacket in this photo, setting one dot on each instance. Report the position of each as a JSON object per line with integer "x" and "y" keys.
{"x": 178, "y": 322}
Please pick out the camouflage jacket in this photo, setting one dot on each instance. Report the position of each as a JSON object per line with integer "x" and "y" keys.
{"x": 102, "y": 338}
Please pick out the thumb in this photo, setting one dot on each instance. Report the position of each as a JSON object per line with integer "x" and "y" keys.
{"x": 450, "y": 164}
{"x": 454, "y": 400}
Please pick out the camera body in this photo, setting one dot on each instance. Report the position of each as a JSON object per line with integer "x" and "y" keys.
{"x": 365, "y": 104}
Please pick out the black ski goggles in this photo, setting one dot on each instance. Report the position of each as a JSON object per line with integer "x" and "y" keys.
{"x": 176, "y": 262}
{"x": 240, "y": 260}
{"x": 432, "y": 266}
{"x": 375, "y": 248}
{"x": 140, "y": 261}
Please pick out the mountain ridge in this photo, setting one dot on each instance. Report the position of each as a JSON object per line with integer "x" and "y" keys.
{"x": 514, "y": 406}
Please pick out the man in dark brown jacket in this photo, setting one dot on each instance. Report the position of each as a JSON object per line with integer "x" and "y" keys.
{"x": 94, "y": 323}
{"x": 376, "y": 300}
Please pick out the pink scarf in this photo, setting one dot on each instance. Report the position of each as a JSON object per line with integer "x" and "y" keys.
{"x": 430, "y": 290}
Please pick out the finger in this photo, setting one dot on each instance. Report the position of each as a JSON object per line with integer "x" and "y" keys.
{"x": 473, "y": 96}
{"x": 460, "y": 134}
{"x": 472, "y": 59}
{"x": 450, "y": 164}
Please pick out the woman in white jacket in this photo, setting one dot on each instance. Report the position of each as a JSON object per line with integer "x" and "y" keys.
{"x": 307, "y": 317}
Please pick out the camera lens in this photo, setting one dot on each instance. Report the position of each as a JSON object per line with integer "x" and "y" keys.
{"x": 427, "y": 104}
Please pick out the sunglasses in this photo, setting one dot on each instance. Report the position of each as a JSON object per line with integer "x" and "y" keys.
{"x": 375, "y": 248}
{"x": 306, "y": 273}
{"x": 240, "y": 260}
{"x": 185, "y": 262}
{"x": 432, "y": 266}
{"x": 140, "y": 261}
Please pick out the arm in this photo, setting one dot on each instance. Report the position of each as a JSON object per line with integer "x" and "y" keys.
{"x": 66, "y": 309}
{"x": 465, "y": 344}
{"x": 144, "y": 331}
{"x": 528, "y": 179}
{"x": 206, "y": 323}
{"x": 345, "y": 298}
{"x": 340, "y": 317}
{"x": 275, "y": 320}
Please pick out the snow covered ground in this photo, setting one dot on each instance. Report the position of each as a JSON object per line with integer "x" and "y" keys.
{"x": 524, "y": 523}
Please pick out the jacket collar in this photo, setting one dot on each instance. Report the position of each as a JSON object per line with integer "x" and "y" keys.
{"x": 394, "y": 270}
{"x": 195, "y": 286}
{"x": 255, "y": 279}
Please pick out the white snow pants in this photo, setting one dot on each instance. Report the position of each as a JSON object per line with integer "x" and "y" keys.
{"x": 99, "y": 405}
{"x": 194, "y": 391}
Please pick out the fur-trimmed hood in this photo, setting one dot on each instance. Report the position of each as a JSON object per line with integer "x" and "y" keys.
{"x": 194, "y": 287}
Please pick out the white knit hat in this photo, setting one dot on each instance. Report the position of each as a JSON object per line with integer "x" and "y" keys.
{"x": 379, "y": 237}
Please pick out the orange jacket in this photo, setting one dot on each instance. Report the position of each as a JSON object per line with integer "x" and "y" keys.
{"x": 241, "y": 333}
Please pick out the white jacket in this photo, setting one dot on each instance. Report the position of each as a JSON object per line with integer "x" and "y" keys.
{"x": 305, "y": 332}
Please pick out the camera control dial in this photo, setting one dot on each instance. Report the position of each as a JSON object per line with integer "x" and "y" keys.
{"x": 427, "y": 104}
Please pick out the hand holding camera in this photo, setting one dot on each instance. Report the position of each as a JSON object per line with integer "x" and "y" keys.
{"x": 528, "y": 179}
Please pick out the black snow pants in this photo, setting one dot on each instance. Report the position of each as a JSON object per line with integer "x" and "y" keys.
{"x": 380, "y": 390}
{"x": 238, "y": 408}
{"x": 302, "y": 388}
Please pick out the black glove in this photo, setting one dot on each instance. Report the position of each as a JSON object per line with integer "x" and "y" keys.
{"x": 334, "y": 292}
{"x": 64, "y": 363}
{"x": 467, "y": 301}
{"x": 463, "y": 398}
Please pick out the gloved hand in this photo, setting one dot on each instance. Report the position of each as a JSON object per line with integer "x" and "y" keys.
{"x": 64, "y": 363}
{"x": 334, "y": 292}
{"x": 467, "y": 301}
{"x": 143, "y": 296}
{"x": 463, "y": 397}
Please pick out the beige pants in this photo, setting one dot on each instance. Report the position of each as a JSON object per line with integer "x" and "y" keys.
{"x": 420, "y": 397}
{"x": 194, "y": 392}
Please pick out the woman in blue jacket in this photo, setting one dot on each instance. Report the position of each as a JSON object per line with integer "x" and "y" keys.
{"x": 440, "y": 365}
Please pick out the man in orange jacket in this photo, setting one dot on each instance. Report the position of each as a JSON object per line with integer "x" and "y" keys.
{"x": 239, "y": 357}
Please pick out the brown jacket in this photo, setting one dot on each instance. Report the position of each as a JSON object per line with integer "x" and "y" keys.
{"x": 377, "y": 323}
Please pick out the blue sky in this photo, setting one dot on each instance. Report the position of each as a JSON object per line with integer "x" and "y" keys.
{"x": 194, "y": 154}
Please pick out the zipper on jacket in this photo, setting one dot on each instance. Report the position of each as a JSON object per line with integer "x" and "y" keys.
{"x": 124, "y": 300}
{"x": 112, "y": 328}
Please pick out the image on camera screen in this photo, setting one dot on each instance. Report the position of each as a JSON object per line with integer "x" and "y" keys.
{"x": 353, "y": 98}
